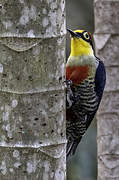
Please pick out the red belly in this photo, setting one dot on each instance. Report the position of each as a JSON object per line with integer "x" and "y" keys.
{"x": 77, "y": 74}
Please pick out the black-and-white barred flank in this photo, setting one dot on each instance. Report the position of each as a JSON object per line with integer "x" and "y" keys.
{"x": 84, "y": 103}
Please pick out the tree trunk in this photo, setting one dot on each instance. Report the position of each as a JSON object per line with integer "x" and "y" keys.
{"x": 107, "y": 46}
{"x": 32, "y": 108}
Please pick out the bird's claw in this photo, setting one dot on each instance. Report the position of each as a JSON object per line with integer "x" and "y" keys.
{"x": 68, "y": 83}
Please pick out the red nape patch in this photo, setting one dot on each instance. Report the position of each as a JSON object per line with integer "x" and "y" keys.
{"x": 91, "y": 36}
{"x": 77, "y": 74}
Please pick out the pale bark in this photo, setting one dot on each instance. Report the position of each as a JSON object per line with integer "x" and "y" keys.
{"x": 107, "y": 48}
{"x": 32, "y": 108}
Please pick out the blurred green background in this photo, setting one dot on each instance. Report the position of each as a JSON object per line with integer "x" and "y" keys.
{"x": 83, "y": 165}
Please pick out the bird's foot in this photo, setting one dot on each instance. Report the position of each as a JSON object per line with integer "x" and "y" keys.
{"x": 68, "y": 83}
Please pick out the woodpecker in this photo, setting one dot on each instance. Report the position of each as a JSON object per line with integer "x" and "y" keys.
{"x": 85, "y": 79}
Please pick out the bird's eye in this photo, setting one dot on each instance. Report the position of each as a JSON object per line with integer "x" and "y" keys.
{"x": 86, "y": 35}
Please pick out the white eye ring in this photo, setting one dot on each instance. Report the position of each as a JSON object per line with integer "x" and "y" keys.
{"x": 86, "y": 35}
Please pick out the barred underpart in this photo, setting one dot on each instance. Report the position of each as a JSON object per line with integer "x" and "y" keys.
{"x": 85, "y": 102}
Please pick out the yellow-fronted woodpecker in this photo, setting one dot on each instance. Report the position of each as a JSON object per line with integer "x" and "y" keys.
{"x": 85, "y": 79}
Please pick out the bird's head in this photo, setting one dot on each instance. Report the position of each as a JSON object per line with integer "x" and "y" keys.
{"x": 81, "y": 43}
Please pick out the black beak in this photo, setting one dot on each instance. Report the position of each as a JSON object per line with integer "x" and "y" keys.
{"x": 73, "y": 34}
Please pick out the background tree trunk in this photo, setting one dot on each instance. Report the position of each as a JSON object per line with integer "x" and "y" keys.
{"x": 32, "y": 110}
{"x": 107, "y": 46}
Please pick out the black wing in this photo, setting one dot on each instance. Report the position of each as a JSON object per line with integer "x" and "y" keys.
{"x": 100, "y": 79}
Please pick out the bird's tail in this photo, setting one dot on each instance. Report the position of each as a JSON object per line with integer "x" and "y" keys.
{"x": 71, "y": 147}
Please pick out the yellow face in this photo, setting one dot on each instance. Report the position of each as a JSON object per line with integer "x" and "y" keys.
{"x": 80, "y": 46}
